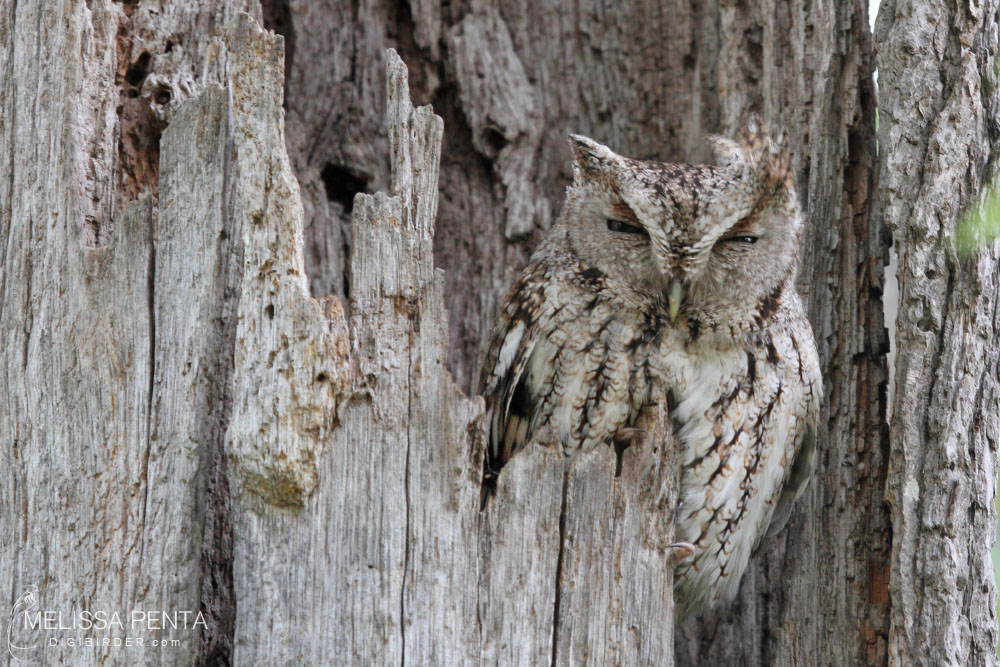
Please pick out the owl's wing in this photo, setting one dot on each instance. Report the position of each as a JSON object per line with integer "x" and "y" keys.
{"x": 795, "y": 485}
{"x": 802, "y": 372}
{"x": 563, "y": 359}
{"x": 515, "y": 367}
{"x": 510, "y": 408}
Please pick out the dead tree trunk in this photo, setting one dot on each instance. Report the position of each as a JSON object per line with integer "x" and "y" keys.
{"x": 188, "y": 422}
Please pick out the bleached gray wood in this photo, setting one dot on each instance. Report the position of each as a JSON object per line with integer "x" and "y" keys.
{"x": 289, "y": 369}
{"x": 194, "y": 265}
{"x": 75, "y": 406}
{"x": 444, "y": 441}
{"x": 78, "y": 501}
{"x": 375, "y": 558}
{"x": 938, "y": 145}
{"x": 574, "y": 560}
{"x": 616, "y": 567}
{"x": 519, "y": 555}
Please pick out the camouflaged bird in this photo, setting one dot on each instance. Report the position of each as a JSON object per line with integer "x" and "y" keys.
{"x": 679, "y": 277}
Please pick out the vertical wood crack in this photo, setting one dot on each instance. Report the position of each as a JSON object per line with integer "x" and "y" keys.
{"x": 10, "y": 171}
{"x": 559, "y": 567}
{"x": 406, "y": 496}
{"x": 151, "y": 304}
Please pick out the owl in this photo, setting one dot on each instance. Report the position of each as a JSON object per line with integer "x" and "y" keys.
{"x": 678, "y": 278}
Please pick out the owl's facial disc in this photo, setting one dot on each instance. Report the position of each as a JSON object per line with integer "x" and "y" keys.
{"x": 706, "y": 242}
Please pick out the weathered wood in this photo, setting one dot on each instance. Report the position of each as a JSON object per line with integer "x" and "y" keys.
{"x": 112, "y": 445}
{"x": 616, "y": 579}
{"x": 444, "y": 442}
{"x": 590, "y": 532}
{"x": 380, "y": 536}
{"x": 503, "y": 115}
{"x": 187, "y": 422}
{"x": 75, "y": 319}
{"x": 522, "y": 524}
{"x": 938, "y": 144}
{"x": 196, "y": 264}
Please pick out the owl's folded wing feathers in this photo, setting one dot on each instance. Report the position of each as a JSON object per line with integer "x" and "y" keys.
{"x": 510, "y": 409}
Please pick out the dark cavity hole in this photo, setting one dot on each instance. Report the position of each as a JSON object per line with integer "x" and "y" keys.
{"x": 494, "y": 140}
{"x": 169, "y": 47}
{"x": 488, "y": 487}
{"x": 341, "y": 184}
{"x": 277, "y": 15}
{"x": 163, "y": 96}
{"x": 132, "y": 93}
{"x": 322, "y": 377}
{"x": 269, "y": 311}
{"x": 620, "y": 447}
{"x": 137, "y": 73}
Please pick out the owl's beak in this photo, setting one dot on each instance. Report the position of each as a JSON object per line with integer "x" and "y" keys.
{"x": 675, "y": 294}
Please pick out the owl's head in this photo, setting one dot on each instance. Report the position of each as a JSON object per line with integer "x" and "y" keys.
{"x": 707, "y": 242}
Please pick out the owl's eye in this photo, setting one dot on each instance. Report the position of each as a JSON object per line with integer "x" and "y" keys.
{"x": 624, "y": 227}
{"x": 741, "y": 238}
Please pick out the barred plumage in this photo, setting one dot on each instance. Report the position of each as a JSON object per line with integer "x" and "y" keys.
{"x": 680, "y": 277}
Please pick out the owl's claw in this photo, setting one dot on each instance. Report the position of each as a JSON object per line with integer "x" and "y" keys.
{"x": 629, "y": 435}
{"x": 680, "y": 551}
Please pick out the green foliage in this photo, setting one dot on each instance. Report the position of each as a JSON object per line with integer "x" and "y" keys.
{"x": 979, "y": 224}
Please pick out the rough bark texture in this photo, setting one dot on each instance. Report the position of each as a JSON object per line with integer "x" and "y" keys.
{"x": 228, "y": 379}
{"x": 938, "y": 140}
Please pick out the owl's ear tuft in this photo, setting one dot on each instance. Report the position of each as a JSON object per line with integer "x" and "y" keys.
{"x": 768, "y": 158}
{"x": 777, "y": 168}
{"x": 726, "y": 150}
{"x": 591, "y": 159}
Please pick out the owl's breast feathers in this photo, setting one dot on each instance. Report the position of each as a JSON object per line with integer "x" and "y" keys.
{"x": 566, "y": 356}
{"x": 746, "y": 420}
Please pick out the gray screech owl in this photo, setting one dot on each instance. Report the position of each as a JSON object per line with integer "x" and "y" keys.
{"x": 679, "y": 277}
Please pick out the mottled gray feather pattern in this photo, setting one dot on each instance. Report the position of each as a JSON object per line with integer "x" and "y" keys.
{"x": 680, "y": 277}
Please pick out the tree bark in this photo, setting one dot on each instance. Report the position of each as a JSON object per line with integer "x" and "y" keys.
{"x": 938, "y": 140}
{"x": 236, "y": 383}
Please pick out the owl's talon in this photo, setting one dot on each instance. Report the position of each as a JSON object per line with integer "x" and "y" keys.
{"x": 629, "y": 435}
{"x": 681, "y": 551}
